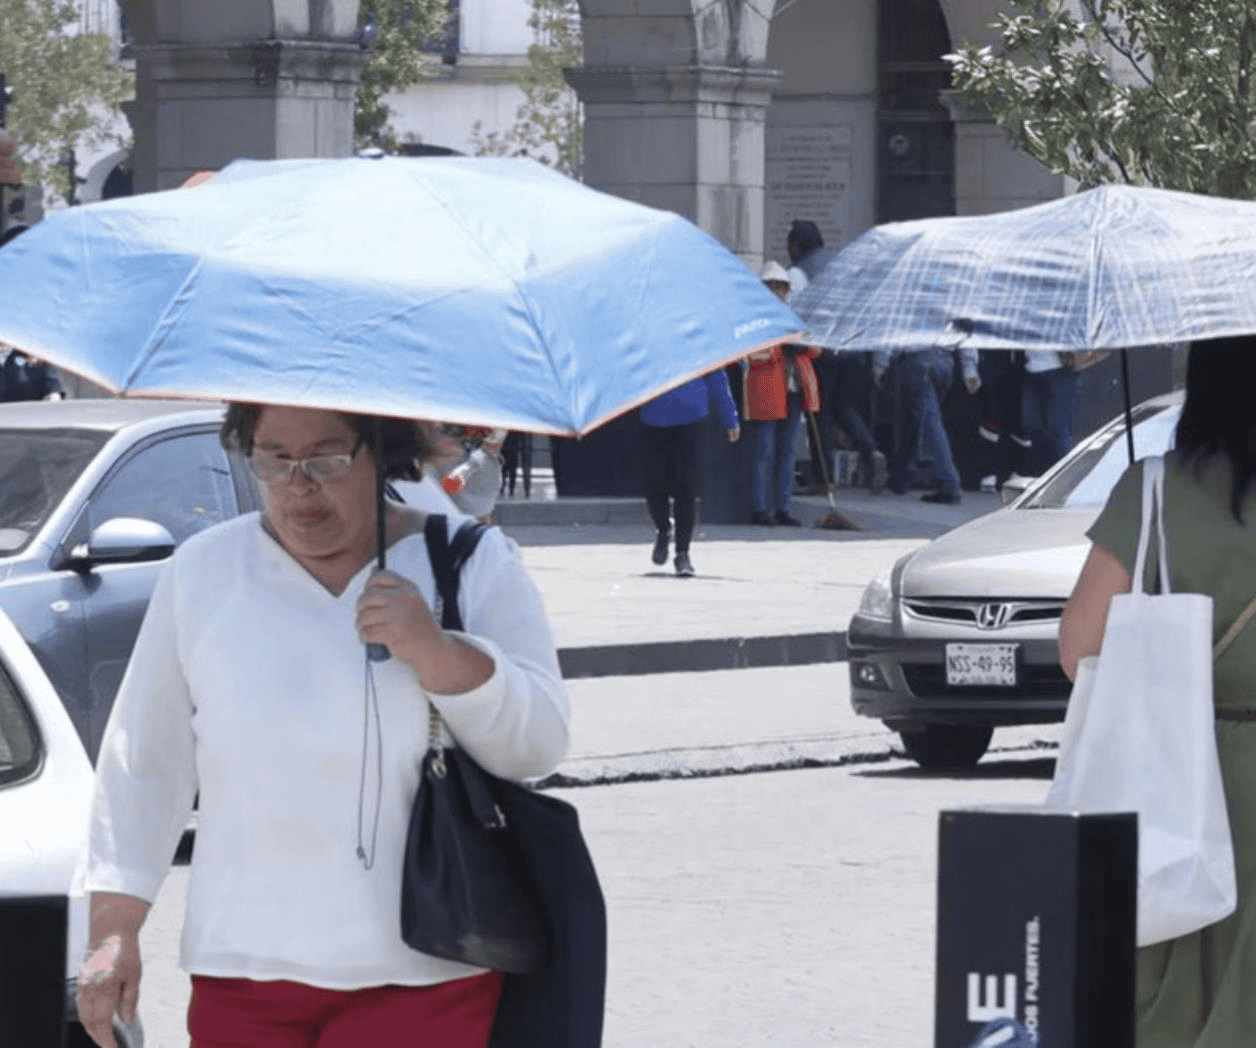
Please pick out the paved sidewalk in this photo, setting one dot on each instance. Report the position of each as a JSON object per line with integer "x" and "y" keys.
{"x": 737, "y": 669}
{"x": 602, "y": 590}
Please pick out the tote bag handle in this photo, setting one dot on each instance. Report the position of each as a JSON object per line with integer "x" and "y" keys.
{"x": 1153, "y": 515}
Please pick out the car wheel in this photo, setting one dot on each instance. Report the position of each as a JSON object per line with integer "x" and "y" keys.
{"x": 946, "y": 746}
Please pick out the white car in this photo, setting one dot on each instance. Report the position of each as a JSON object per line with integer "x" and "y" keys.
{"x": 45, "y": 798}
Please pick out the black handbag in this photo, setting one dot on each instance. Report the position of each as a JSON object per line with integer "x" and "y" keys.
{"x": 466, "y": 894}
{"x": 560, "y": 1003}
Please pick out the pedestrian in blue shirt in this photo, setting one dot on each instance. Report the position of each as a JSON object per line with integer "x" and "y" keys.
{"x": 672, "y": 426}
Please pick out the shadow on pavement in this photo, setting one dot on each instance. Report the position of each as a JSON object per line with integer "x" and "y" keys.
{"x": 1032, "y": 768}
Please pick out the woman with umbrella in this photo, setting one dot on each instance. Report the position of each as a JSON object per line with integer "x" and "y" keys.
{"x": 249, "y": 685}
{"x": 1196, "y": 991}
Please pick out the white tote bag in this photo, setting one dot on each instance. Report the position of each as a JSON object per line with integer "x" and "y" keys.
{"x": 1140, "y": 735}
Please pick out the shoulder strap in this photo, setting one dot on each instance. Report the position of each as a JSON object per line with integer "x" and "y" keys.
{"x": 1234, "y": 630}
{"x": 447, "y": 560}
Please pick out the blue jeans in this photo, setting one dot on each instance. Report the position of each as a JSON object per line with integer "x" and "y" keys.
{"x": 927, "y": 377}
{"x": 853, "y": 384}
{"x": 772, "y": 449}
{"x": 1047, "y": 401}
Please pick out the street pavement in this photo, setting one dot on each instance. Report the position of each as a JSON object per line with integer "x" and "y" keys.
{"x": 632, "y": 635}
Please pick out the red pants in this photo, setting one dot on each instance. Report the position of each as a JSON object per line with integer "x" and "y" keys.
{"x": 243, "y": 1013}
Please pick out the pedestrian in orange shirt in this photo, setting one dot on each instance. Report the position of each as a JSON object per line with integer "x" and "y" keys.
{"x": 780, "y": 385}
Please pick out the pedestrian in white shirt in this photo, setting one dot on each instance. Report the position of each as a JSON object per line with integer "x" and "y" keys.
{"x": 1048, "y": 396}
{"x": 248, "y": 686}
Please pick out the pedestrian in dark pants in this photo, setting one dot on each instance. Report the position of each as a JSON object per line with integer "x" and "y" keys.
{"x": 672, "y": 429}
{"x": 927, "y": 378}
{"x": 853, "y": 388}
{"x": 1048, "y": 395}
{"x": 1001, "y": 440}
{"x": 843, "y": 377}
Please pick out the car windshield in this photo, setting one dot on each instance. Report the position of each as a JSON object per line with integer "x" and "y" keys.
{"x": 37, "y": 468}
{"x": 1088, "y": 476}
{"x": 19, "y": 743}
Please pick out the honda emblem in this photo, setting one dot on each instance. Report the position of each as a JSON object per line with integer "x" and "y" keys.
{"x": 993, "y": 616}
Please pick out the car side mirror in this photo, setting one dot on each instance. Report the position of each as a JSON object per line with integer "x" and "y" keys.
{"x": 123, "y": 540}
{"x": 1013, "y": 488}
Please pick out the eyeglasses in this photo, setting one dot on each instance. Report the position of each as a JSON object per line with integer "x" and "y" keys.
{"x": 320, "y": 469}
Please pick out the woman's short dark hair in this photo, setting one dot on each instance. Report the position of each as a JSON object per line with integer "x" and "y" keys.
{"x": 405, "y": 445}
{"x": 1219, "y": 416}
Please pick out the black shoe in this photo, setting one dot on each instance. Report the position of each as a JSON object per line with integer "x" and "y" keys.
{"x": 684, "y": 566}
{"x": 661, "y": 539}
{"x": 764, "y": 520}
{"x": 943, "y": 498}
{"x": 784, "y": 518}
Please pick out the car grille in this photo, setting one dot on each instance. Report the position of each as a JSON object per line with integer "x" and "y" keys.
{"x": 969, "y": 612}
{"x": 1036, "y": 682}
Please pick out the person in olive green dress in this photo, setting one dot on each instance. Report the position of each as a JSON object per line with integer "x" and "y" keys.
{"x": 1197, "y": 991}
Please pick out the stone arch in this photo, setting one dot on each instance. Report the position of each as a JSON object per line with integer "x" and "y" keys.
{"x": 970, "y": 21}
{"x": 99, "y": 175}
{"x": 990, "y": 173}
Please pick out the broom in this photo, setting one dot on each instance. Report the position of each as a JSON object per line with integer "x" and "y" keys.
{"x": 836, "y": 519}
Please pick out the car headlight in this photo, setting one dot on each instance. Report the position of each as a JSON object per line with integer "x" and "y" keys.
{"x": 878, "y": 600}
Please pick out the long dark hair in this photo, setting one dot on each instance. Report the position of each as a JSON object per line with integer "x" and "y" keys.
{"x": 1219, "y": 416}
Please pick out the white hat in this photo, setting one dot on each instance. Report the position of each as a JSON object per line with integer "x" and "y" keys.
{"x": 774, "y": 272}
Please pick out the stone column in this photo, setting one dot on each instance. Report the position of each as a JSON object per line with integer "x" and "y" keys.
{"x": 261, "y": 79}
{"x": 685, "y": 138}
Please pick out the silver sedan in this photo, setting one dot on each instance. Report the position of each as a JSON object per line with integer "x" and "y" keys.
{"x": 961, "y": 636}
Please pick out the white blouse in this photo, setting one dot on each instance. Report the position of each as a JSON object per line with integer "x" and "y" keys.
{"x": 248, "y": 685}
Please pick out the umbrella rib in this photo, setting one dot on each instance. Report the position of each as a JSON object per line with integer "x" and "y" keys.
{"x": 163, "y": 324}
{"x": 492, "y": 259}
{"x": 1092, "y": 297}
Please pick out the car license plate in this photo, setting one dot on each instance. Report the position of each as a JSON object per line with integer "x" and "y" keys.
{"x": 991, "y": 665}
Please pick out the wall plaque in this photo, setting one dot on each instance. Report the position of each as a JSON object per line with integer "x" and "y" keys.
{"x": 808, "y": 173}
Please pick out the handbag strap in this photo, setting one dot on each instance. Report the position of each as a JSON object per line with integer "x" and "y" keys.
{"x": 1234, "y": 630}
{"x": 447, "y": 559}
{"x": 1153, "y": 515}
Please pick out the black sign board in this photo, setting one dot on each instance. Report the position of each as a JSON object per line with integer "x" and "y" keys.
{"x": 32, "y": 971}
{"x": 1036, "y": 928}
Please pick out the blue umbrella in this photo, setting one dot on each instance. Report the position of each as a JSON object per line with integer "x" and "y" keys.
{"x": 1110, "y": 268}
{"x": 487, "y": 292}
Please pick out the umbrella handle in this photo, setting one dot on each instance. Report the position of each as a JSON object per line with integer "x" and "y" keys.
{"x": 379, "y": 652}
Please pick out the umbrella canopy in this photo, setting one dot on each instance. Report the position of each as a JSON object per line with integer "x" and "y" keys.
{"x": 1113, "y": 267}
{"x": 487, "y": 292}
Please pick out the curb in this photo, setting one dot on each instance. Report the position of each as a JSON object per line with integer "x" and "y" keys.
{"x": 710, "y": 762}
{"x": 697, "y": 656}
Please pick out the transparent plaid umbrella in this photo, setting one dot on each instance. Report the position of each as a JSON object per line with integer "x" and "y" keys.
{"x": 1116, "y": 267}
{"x": 1111, "y": 268}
